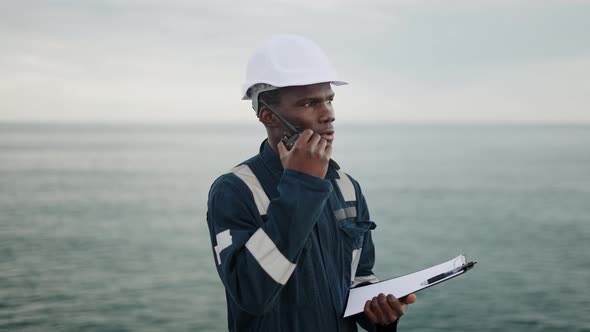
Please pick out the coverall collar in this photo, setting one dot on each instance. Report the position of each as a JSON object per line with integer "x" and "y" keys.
{"x": 273, "y": 162}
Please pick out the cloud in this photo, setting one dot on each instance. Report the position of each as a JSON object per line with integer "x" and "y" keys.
{"x": 554, "y": 91}
{"x": 183, "y": 60}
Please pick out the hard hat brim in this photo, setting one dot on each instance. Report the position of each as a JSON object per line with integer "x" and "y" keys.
{"x": 246, "y": 87}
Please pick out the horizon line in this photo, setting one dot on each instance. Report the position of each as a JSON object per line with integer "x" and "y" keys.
{"x": 179, "y": 123}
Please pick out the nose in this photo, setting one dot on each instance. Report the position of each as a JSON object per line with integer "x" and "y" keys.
{"x": 326, "y": 112}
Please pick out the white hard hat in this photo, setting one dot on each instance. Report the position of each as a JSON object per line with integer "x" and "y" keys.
{"x": 286, "y": 60}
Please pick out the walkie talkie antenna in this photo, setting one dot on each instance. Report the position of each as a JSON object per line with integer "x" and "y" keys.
{"x": 287, "y": 124}
{"x": 293, "y": 132}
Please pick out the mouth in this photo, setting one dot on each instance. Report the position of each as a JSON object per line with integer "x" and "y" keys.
{"x": 328, "y": 135}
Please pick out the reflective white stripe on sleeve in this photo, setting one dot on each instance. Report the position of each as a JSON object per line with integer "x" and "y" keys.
{"x": 356, "y": 257}
{"x": 359, "y": 280}
{"x": 245, "y": 174}
{"x": 269, "y": 257}
{"x": 223, "y": 241}
{"x": 345, "y": 213}
{"x": 346, "y": 187}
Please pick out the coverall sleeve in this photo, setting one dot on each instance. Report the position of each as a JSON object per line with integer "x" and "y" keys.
{"x": 255, "y": 259}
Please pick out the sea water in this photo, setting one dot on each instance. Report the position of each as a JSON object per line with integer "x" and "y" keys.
{"x": 102, "y": 227}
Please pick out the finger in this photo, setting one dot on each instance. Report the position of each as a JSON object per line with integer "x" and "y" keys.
{"x": 395, "y": 305}
{"x": 376, "y": 307}
{"x": 303, "y": 138}
{"x": 388, "y": 312}
{"x": 409, "y": 299}
{"x": 314, "y": 140}
{"x": 306, "y": 135}
{"x": 369, "y": 312}
{"x": 322, "y": 145}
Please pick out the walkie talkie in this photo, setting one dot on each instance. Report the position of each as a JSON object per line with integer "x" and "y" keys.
{"x": 292, "y": 133}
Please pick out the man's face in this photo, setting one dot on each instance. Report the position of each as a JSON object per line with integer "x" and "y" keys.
{"x": 309, "y": 107}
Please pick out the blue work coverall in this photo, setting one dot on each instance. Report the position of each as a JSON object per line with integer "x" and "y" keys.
{"x": 288, "y": 246}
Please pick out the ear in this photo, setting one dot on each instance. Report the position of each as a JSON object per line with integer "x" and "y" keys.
{"x": 267, "y": 118}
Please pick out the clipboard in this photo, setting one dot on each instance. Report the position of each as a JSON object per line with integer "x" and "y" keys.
{"x": 407, "y": 284}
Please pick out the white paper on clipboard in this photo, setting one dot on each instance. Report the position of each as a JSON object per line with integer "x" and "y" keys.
{"x": 402, "y": 286}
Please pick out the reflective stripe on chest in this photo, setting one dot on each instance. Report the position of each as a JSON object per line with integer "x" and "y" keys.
{"x": 260, "y": 198}
{"x": 346, "y": 187}
{"x": 262, "y": 201}
{"x": 263, "y": 248}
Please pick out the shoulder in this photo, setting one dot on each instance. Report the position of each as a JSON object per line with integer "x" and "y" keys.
{"x": 354, "y": 188}
{"x": 345, "y": 176}
{"x": 234, "y": 181}
{"x": 352, "y": 179}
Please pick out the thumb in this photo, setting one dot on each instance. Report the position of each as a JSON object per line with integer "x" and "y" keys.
{"x": 282, "y": 149}
{"x": 409, "y": 299}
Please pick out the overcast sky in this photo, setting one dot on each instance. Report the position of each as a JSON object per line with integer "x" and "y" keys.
{"x": 407, "y": 61}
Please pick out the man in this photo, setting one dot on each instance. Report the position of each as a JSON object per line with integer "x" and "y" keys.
{"x": 291, "y": 232}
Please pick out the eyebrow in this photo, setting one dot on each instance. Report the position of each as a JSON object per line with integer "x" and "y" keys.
{"x": 314, "y": 99}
